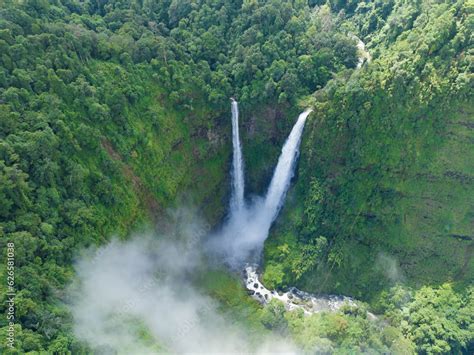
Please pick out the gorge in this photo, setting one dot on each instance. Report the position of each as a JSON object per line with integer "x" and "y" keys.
{"x": 139, "y": 213}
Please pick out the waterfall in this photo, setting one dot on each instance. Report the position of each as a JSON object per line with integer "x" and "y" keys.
{"x": 362, "y": 53}
{"x": 242, "y": 238}
{"x": 237, "y": 200}
{"x": 284, "y": 170}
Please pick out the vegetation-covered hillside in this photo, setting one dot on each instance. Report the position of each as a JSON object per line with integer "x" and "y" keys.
{"x": 113, "y": 111}
{"x": 388, "y": 159}
{"x": 385, "y": 185}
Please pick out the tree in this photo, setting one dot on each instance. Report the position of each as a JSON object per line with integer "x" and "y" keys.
{"x": 273, "y": 316}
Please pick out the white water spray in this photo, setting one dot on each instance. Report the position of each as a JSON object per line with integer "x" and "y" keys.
{"x": 237, "y": 200}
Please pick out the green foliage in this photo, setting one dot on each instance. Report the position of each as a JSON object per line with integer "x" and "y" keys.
{"x": 313, "y": 206}
{"x": 291, "y": 260}
{"x": 272, "y": 316}
{"x": 90, "y": 146}
{"x": 275, "y": 276}
{"x": 385, "y": 176}
{"x": 385, "y": 172}
{"x": 346, "y": 331}
{"x": 110, "y": 109}
{"x": 437, "y": 320}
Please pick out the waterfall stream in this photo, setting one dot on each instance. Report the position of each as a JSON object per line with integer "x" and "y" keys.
{"x": 284, "y": 170}
{"x": 363, "y": 55}
{"x": 293, "y": 298}
{"x": 237, "y": 200}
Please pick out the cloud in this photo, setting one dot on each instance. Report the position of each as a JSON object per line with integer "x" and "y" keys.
{"x": 137, "y": 297}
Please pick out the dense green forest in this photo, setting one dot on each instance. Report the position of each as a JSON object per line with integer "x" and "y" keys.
{"x": 388, "y": 160}
{"x": 112, "y": 112}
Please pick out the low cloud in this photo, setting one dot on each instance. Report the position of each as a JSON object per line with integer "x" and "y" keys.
{"x": 137, "y": 297}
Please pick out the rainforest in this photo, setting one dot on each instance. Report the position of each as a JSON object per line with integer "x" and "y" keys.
{"x": 236, "y": 176}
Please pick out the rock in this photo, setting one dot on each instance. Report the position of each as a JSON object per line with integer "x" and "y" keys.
{"x": 255, "y": 285}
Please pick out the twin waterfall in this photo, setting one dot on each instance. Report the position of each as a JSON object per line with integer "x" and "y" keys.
{"x": 282, "y": 175}
{"x": 249, "y": 223}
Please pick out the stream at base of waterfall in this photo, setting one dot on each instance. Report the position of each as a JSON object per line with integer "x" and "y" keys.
{"x": 293, "y": 298}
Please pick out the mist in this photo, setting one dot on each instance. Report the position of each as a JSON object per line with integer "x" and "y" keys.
{"x": 241, "y": 239}
{"x": 138, "y": 297}
{"x": 389, "y": 267}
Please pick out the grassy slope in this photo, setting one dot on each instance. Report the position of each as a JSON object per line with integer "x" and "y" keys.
{"x": 234, "y": 301}
{"x": 436, "y": 208}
